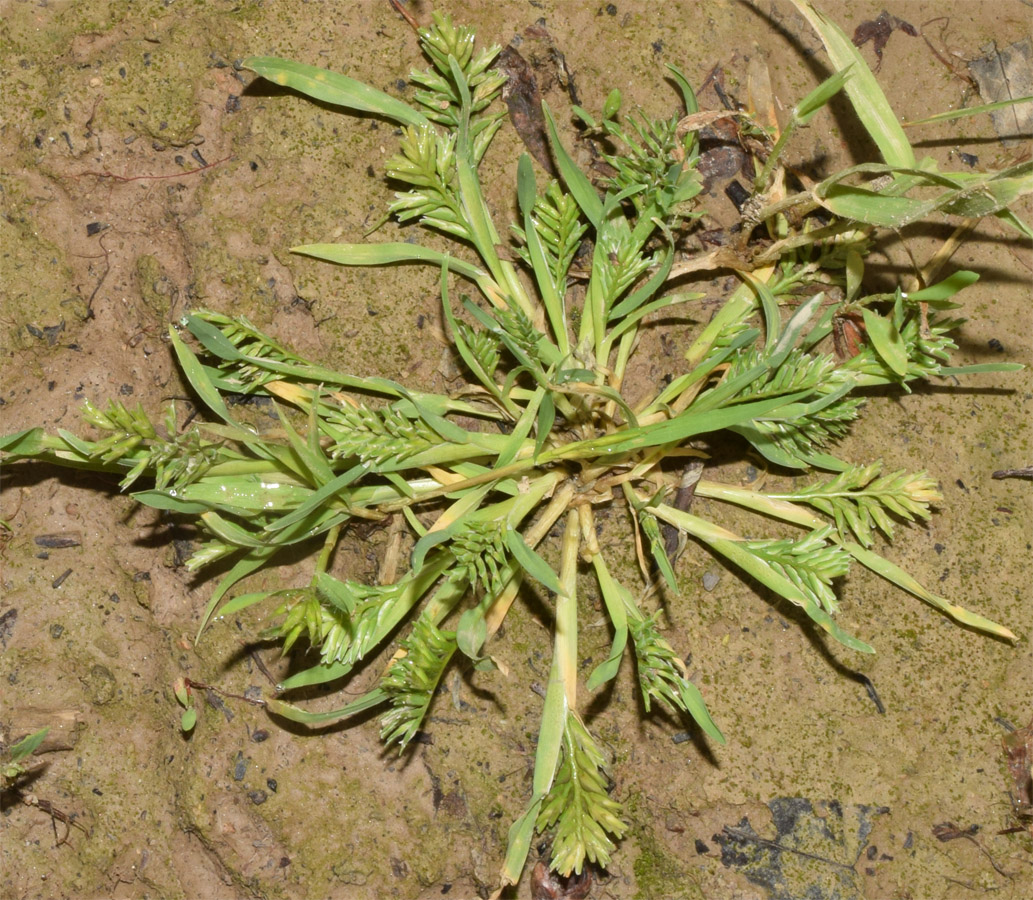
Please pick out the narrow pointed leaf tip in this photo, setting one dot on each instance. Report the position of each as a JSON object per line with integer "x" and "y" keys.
{"x": 334, "y": 88}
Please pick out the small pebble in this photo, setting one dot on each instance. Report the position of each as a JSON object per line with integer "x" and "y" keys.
{"x": 710, "y": 581}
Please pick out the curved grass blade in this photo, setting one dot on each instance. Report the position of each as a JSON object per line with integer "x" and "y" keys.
{"x": 530, "y": 561}
{"x": 29, "y": 442}
{"x": 677, "y": 429}
{"x": 952, "y": 114}
{"x": 199, "y": 380}
{"x": 887, "y": 341}
{"x": 867, "y": 98}
{"x": 243, "y": 601}
{"x": 576, "y": 181}
{"x": 546, "y": 759}
{"x": 332, "y": 87}
{"x": 26, "y": 746}
{"x": 321, "y": 673}
{"x": 656, "y": 547}
{"x": 944, "y": 290}
{"x": 634, "y": 300}
{"x": 687, "y": 93}
{"x": 617, "y": 600}
{"x": 769, "y": 306}
{"x": 241, "y": 569}
{"x": 287, "y": 710}
{"x": 892, "y": 573}
{"x": 391, "y": 252}
{"x": 980, "y": 367}
{"x": 730, "y": 546}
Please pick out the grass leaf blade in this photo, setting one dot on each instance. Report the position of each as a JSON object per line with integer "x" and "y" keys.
{"x": 576, "y": 180}
{"x": 334, "y": 88}
{"x": 531, "y": 562}
{"x": 893, "y": 573}
{"x": 867, "y": 97}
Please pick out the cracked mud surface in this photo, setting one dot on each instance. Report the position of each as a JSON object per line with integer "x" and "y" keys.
{"x": 141, "y": 177}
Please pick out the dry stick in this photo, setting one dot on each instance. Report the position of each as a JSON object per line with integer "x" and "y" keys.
{"x": 93, "y": 112}
{"x": 106, "y": 174}
{"x": 405, "y": 14}
{"x": 1025, "y": 472}
{"x": 56, "y": 815}
{"x": 956, "y": 71}
{"x": 107, "y": 269}
{"x": 201, "y": 686}
{"x": 683, "y": 498}
{"x": 262, "y": 666}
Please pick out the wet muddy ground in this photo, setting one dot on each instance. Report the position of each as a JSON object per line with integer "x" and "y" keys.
{"x": 143, "y": 177}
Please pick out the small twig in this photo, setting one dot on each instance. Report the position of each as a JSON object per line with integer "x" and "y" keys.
{"x": 405, "y": 14}
{"x": 104, "y": 275}
{"x": 261, "y": 666}
{"x": 200, "y": 685}
{"x": 1026, "y": 472}
{"x": 954, "y": 70}
{"x": 93, "y": 112}
{"x": 155, "y": 177}
{"x": 56, "y": 815}
{"x": 948, "y": 831}
{"x": 683, "y": 498}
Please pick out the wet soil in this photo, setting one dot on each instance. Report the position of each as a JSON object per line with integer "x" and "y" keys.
{"x": 142, "y": 176}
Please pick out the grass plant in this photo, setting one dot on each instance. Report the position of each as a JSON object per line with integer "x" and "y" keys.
{"x": 542, "y": 434}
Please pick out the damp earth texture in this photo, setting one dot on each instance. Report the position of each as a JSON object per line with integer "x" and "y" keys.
{"x": 410, "y": 489}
